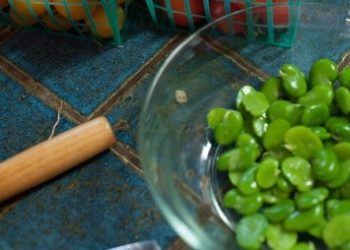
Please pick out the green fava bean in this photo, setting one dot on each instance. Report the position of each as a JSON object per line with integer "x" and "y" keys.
{"x": 342, "y": 176}
{"x": 345, "y": 246}
{"x": 311, "y": 198}
{"x": 280, "y": 239}
{"x": 323, "y": 71}
{"x": 321, "y": 132}
{"x": 317, "y": 230}
{"x": 283, "y": 184}
{"x": 281, "y": 194}
{"x": 259, "y": 125}
{"x": 251, "y": 231}
{"x": 293, "y": 81}
{"x": 335, "y": 121}
{"x": 267, "y": 173}
{"x": 241, "y": 93}
{"x": 288, "y": 111}
{"x": 345, "y": 190}
{"x": 315, "y": 115}
{"x": 298, "y": 171}
{"x": 304, "y": 246}
{"x": 247, "y": 184}
{"x": 337, "y": 207}
{"x": 229, "y": 128}
{"x": 234, "y": 177}
{"x": 215, "y": 116}
{"x": 342, "y": 98}
{"x": 245, "y": 139}
{"x": 342, "y": 150}
{"x": 303, "y": 220}
{"x": 344, "y": 77}
{"x": 279, "y": 154}
{"x": 272, "y": 89}
{"x": 279, "y": 211}
{"x": 244, "y": 205}
{"x": 223, "y": 161}
{"x": 318, "y": 94}
{"x": 325, "y": 164}
{"x": 255, "y": 103}
{"x": 274, "y": 135}
{"x": 242, "y": 158}
{"x": 342, "y": 132}
{"x": 301, "y": 141}
{"x": 269, "y": 197}
{"x": 337, "y": 231}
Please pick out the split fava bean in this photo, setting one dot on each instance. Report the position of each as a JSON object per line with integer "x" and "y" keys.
{"x": 342, "y": 150}
{"x": 311, "y": 198}
{"x": 323, "y": 71}
{"x": 321, "y": 132}
{"x": 280, "y": 239}
{"x": 298, "y": 171}
{"x": 318, "y": 94}
{"x": 344, "y": 77}
{"x": 251, "y": 231}
{"x": 342, "y": 175}
{"x": 293, "y": 81}
{"x": 315, "y": 115}
{"x": 337, "y": 231}
{"x": 280, "y": 211}
{"x": 302, "y": 220}
{"x": 336, "y": 207}
{"x": 342, "y": 98}
{"x": 272, "y": 89}
{"x": 304, "y": 246}
{"x": 286, "y": 110}
{"x": 244, "y": 205}
{"x": 255, "y": 103}
{"x": 267, "y": 173}
{"x": 274, "y": 135}
{"x": 302, "y": 141}
{"x": 325, "y": 164}
{"x": 229, "y": 128}
{"x": 247, "y": 184}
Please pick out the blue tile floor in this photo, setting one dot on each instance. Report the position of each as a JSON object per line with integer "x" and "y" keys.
{"x": 102, "y": 203}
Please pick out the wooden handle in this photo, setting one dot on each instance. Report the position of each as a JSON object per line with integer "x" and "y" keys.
{"x": 52, "y": 157}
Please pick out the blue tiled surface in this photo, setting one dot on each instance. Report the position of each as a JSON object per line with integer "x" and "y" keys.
{"x": 24, "y": 120}
{"x": 99, "y": 205}
{"x": 102, "y": 203}
{"x": 78, "y": 71}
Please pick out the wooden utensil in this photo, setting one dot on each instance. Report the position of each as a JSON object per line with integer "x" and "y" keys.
{"x": 53, "y": 157}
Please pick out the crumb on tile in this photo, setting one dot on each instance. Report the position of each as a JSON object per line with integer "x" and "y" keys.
{"x": 180, "y": 96}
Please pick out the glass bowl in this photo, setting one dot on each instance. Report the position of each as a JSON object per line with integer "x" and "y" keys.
{"x": 176, "y": 150}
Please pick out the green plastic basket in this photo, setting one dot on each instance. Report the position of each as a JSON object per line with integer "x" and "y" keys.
{"x": 164, "y": 14}
{"x": 101, "y": 20}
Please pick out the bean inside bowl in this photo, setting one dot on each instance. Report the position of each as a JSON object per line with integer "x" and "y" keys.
{"x": 178, "y": 153}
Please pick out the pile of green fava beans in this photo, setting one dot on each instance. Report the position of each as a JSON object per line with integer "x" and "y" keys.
{"x": 287, "y": 155}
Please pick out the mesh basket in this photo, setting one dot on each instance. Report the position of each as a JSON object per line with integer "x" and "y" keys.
{"x": 271, "y": 21}
{"x": 102, "y": 20}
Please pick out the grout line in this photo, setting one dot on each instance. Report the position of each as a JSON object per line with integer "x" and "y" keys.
{"x": 120, "y": 125}
{"x": 37, "y": 89}
{"x": 7, "y": 32}
{"x": 133, "y": 80}
{"x": 240, "y": 61}
{"x": 128, "y": 156}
